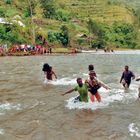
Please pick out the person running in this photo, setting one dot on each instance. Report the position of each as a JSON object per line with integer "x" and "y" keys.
{"x": 91, "y": 68}
{"x": 138, "y": 79}
{"x": 126, "y": 77}
{"x": 82, "y": 89}
{"x": 48, "y": 72}
{"x": 94, "y": 85}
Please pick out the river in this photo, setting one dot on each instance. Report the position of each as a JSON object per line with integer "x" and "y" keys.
{"x": 30, "y": 109}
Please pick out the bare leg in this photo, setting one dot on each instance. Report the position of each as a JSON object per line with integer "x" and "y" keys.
{"x": 125, "y": 85}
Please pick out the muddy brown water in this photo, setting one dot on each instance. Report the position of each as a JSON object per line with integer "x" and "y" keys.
{"x": 32, "y": 110}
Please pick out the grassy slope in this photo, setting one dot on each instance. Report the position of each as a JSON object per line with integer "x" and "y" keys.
{"x": 99, "y": 10}
{"x": 81, "y": 10}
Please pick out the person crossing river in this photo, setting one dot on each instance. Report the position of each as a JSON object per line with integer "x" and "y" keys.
{"x": 94, "y": 85}
{"x": 82, "y": 88}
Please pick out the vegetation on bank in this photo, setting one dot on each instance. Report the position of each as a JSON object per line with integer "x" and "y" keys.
{"x": 70, "y": 23}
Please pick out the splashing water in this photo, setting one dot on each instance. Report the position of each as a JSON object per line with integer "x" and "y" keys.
{"x": 63, "y": 81}
{"x": 134, "y": 130}
{"x": 108, "y": 97}
{"x": 8, "y": 106}
{"x": 1, "y": 131}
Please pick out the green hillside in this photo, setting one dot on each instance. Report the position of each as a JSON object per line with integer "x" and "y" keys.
{"x": 74, "y": 14}
{"x": 100, "y": 10}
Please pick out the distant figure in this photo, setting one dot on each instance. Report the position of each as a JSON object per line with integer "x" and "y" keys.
{"x": 50, "y": 50}
{"x": 126, "y": 77}
{"x": 138, "y": 79}
{"x": 91, "y": 68}
{"x": 94, "y": 85}
{"x": 96, "y": 49}
{"x": 82, "y": 90}
{"x": 48, "y": 72}
{"x": 105, "y": 50}
{"x": 112, "y": 50}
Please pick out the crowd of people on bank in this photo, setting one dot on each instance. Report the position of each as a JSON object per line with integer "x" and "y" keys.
{"x": 24, "y": 48}
{"x": 37, "y": 49}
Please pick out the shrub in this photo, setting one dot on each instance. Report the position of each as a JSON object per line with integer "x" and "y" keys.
{"x": 2, "y": 12}
{"x": 8, "y": 1}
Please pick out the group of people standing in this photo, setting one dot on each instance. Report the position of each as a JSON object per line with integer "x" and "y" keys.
{"x": 89, "y": 88}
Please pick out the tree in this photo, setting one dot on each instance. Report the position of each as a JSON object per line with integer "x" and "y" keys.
{"x": 99, "y": 31}
{"x": 64, "y": 36}
{"x": 32, "y": 22}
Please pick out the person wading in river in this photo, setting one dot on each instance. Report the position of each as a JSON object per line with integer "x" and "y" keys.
{"x": 91, "y": 68}
{"x": 126, "y": 77}
{"x": 48, "y": 72}
{"x": 94, "y": 85}
{"x": 82, "y": 89}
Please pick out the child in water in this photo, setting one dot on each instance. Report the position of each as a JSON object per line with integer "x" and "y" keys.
{"x": 48, "y": 72}
{"x": 91, "y": 68}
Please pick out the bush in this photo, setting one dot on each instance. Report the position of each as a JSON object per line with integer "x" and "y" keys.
{"x": 62, "y": 15}
{"x": 8, "y": 1}
{"x": 11, "y": 34}
{"x": 52, "y": 37}
{"x": 2, "y": 12}
{"x": 98, "y": 44}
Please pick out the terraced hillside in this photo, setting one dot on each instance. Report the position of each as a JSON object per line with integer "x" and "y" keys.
{"x": 100, "y": 10}
{"x": 72, "y": 13}
{"x": 131, "y": 3}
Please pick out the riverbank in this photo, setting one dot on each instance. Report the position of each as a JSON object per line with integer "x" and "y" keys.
{"x": 30, "y": 53}
{"x": 56, "y": 51}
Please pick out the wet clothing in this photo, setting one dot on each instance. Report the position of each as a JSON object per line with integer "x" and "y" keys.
{"x": 94, "y": 85}
{"x": 126, "y": 76}
{"x": 97, "y": 95}
{"x": 77, "y": 99}
{"x": 83, "y": 91}
{"x": 93, "y": 89}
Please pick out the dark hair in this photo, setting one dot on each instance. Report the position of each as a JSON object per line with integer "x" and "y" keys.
{"x": 79, "y": 78}
{"x": 91, "y": 67}
{"x": 46, "y": 67}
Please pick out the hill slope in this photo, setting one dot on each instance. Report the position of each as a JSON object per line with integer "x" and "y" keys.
{"x": 100, "y": 10}
{"x": 76, "y": 14}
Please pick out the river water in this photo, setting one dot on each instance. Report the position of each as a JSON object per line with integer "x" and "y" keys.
{"x": 30, "y": 109}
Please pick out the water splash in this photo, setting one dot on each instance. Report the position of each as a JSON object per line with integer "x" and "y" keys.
{"x": 108, "y": 97}
{"x": 2, "y": 131}
{"x": 8, "y": 106}
{"x": 62, "y": 81}
{"x": 134, "y": 130}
